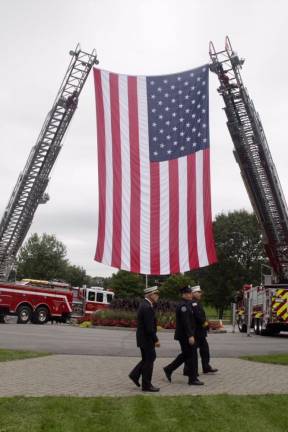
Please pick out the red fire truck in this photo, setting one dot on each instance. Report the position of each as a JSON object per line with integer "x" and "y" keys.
{"x": 87, "y": 301}
{"x": 35, "y": 301}
{"x": 39, "y": 301}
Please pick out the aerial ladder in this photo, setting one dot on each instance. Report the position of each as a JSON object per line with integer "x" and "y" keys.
{"x": 29, "y": 190}
{"x": 254, "y": 158}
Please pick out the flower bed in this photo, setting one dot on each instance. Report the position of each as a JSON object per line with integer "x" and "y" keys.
{"x": 120, "y": 318}
{"x": 115, "y": 318}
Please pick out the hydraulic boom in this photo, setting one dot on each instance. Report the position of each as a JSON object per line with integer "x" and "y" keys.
{"x": 254, "y": 158}
{"x": 29, "y": 191}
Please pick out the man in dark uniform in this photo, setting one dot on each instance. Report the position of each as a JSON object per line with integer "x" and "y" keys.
{"x": 201, "y": 330}
{"x": 185, "y": 334}
{"x": 147, "y": 340}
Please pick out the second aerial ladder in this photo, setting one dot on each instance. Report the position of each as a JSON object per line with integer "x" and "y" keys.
{"x": 254, "y": 158}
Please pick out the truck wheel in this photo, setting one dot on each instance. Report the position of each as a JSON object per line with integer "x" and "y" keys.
{"x": 24, "y": 314}
{"x": 260, "y": 327}
{"x": 242, "y": 326}
{"x": 256, "y": 326}
{"x": 264, "y": 331}
{"x": 41, "y": 315}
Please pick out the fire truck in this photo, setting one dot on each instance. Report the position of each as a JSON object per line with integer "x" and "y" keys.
{"x": 35, "y": 301}
{"x": 264, "y": 307}
{"x": 40, "y": 301}
{"x": 87, "y": 301}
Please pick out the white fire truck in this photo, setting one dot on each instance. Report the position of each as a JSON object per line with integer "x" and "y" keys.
{"x": 263, "y": 308}
{"x": 87, "y": 301}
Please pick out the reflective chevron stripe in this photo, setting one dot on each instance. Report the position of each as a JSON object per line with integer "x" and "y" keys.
{"x": 280, "y": 304}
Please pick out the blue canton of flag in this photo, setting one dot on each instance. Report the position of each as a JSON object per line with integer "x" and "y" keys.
{"x": 178, "y": 114}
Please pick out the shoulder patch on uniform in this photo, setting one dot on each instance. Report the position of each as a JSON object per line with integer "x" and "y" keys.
{"x": 194, "y": 304}
{"x": 183, "y": 308}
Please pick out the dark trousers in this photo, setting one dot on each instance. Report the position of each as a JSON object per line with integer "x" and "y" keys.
{"x": 145, "y": 366}
{"x": 203, "y": 346}
{"x": 189, "y": 357}
{"x": 204, "y": 353}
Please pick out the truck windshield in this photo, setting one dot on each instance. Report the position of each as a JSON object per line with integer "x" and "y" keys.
{"x": 99, "y": 297}
{"x": 91, "y": 296}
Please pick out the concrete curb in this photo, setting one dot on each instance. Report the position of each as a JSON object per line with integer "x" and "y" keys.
{"x": 159, "y": 330}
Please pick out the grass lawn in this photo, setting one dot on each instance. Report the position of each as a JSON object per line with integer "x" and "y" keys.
{"x": 212, "y": 313}
{"x": 221, "y": 413}
{"x": 6, "y": 355}
{"x": 281, "y": 359}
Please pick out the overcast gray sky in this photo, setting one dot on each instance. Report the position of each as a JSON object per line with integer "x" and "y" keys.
{"x": 142, "y": 37}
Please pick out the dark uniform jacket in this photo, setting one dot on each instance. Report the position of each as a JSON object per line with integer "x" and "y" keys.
{"x": 146, "y": 325}
{"x": 201, "y": 320}
{"x": 185, "y": 321}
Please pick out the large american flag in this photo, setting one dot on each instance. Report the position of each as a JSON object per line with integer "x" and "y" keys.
{"x": 154, "y": 172}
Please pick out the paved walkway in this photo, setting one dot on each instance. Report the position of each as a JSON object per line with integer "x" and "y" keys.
{"x": 78, "y": 375}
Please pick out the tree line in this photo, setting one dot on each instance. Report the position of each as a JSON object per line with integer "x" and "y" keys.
{"x": 240, "y": 255}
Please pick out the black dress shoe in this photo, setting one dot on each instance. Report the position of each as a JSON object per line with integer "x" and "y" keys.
{"x": 212, "y": 370}
{"x": 167, "y": 374}
{"x": 151, "y": 389}
{"x": 135, "y": 381}
{"x": 196, "y": 382}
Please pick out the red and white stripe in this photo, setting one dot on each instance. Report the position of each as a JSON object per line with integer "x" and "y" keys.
{"x": 154, "y": 218}
{"x": 39, "y": 294}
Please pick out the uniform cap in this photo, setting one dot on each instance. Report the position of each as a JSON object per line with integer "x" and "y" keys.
{"x": 185, "y": 289}
{"x": 151, "y": 290}
{"x": 196, "y": 288}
